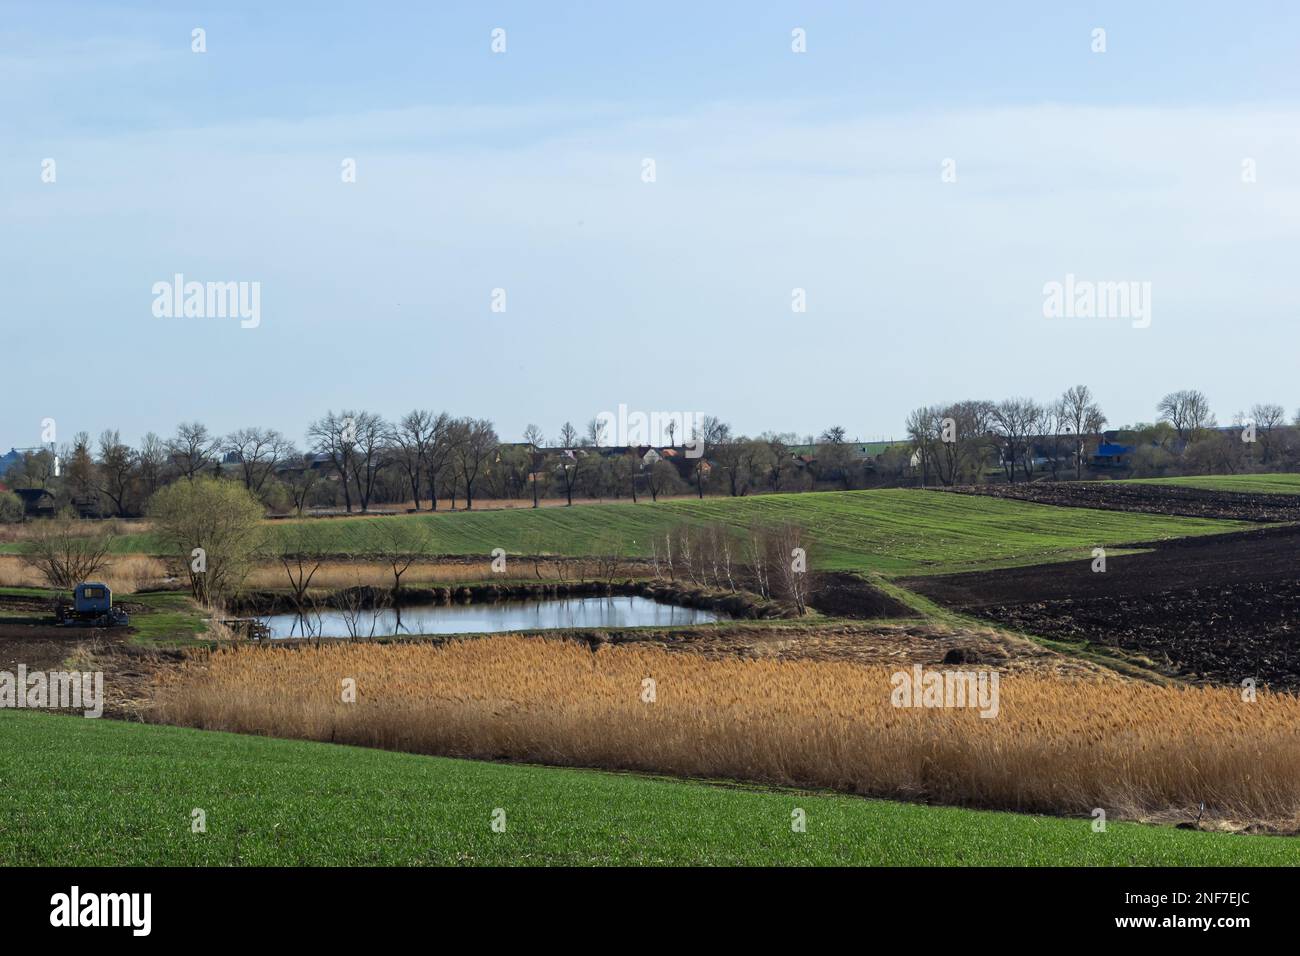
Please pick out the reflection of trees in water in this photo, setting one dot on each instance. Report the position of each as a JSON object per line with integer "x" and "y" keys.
{"x": 361, "y": 623}
{"x": 398, "y": 626}
{"x": 305, "y": 624}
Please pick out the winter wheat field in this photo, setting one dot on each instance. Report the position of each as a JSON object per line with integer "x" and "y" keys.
{"x": 586, "y": 436}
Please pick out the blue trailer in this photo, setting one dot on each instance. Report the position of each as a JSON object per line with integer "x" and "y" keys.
{"x": 92, "y": 606}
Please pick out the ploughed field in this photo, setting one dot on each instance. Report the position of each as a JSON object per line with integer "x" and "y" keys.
{"x": 1217, "y": 609}
{"x": 1151, "y": 498}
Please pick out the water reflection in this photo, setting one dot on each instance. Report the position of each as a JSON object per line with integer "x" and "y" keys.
{"x": 620, "y": 611}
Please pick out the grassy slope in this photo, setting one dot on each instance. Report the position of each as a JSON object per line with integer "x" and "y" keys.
{"x": 1279, "y": 484}
{"x": 892, "y": 531}
{"x": 86, "y": 792}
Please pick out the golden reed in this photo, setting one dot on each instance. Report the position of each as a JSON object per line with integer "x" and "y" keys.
{"x": 1056, "y": 745}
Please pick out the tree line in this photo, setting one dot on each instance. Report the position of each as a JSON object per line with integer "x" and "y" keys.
{"x": 356, "y": 460}
{"x": 1018, "y": 439}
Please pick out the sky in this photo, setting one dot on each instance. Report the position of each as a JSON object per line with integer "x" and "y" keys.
{"x": 922, "y": 172}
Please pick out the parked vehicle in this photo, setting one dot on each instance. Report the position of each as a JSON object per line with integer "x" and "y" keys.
{"x": 92, "y": 606}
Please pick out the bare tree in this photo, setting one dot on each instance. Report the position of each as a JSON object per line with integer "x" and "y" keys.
{"x": 413, "y": 439}
{"x": 1016, "y": 421}
{"x": 152, "y": 463}
{"x": 789, "y": 564}
{"x": 1048, "y": 432}
{"x": 1188, "y": 411}
{"x": 536, "y": 459}
{"x": 361, "y": 608}
{"x": 476, "y": 445}
{"x": 335, "y": 437}
{"x": 295, "y": 550}
{"x": 66, "y": 551}
{"x": 661, "y": 478}
{"x": 402, "y": 541}
{"x": 597, "y": 433}
{"x": 710, "y": 431}
{"x": 1082, "y": 419}
{"x": 258, "y": 451}
{"x": 570, "y": 462}
{"x": 193, "y": 449}
{"x": 924, "y": 428}
{"x": 962, "y": 429}
{"x": 300, "y": 478}
{"x": 116, "y": 470}
{"x": 757, "y": 552}
{"x": 779, "y": 460}
{"x": 80, "y": 475}
{"x": 438, "y": 461}
{"x": 369, "y": 454}
{"x": 834, "y": 457}
{"x": 1267, "y": 417}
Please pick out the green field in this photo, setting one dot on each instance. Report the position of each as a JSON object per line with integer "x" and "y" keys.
{"x": 97, "y": 792}
{"x": 1279, "y": 484}
{"x": 889, "y": 531}
{"x": 893, "y": 531}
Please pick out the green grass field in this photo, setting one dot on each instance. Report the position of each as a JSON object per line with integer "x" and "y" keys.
{"x": 889, "y": 531}
{"x": 98, "y": 792}
{"x": 1260, "y": 484}
{"x": 893, "y": 531}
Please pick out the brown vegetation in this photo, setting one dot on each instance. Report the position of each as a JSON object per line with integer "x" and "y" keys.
{"x": 1065, "y": 746}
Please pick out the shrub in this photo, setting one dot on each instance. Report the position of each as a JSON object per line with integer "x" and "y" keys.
{"x": 11, "y": 508}
{"x": 216, "y": 528}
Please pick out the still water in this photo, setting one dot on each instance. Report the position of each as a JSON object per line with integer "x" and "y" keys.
{"x": 621, "y": 611}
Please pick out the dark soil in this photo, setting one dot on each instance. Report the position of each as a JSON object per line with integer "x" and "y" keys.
{"x": 845, "y": 594}
{"x": 28, "y": 635}
{"x": 1147, "y": 499}
{"x": 46, "y": 647}
{"x": 1216, "y": 609}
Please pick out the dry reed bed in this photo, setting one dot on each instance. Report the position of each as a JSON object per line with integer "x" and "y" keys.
{"x": 1057, "y": 745}
{"x": 125, "y": 573}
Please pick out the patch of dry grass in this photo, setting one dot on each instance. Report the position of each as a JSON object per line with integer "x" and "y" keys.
{"x": 13, "y": 533}
{"x": 1057, "y": 745}
{"x": 125, "y": 573}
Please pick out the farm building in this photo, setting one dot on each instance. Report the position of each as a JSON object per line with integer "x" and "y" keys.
{"x": 37, "y": 502}
{"x": 1112, "y": 455}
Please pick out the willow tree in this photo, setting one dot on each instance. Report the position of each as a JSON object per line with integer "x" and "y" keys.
{"x": 215, "y": 526}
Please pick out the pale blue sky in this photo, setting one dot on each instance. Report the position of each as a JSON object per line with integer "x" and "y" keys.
{"x": 775, "y": 170}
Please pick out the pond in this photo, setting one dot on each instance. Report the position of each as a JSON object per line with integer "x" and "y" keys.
{"x": 615, "y": 612}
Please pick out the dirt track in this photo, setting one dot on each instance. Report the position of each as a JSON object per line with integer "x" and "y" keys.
{"x": 1146, "y": 499}
{"x": 1217, "y": 609}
